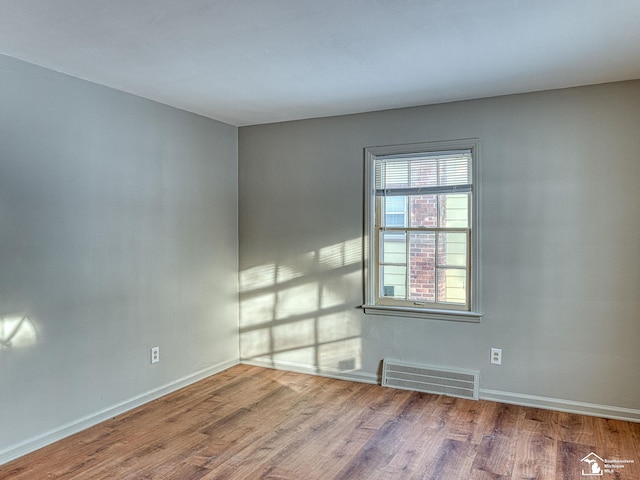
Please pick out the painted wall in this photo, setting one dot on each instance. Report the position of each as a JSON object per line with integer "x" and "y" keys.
{"x": 560, "y": 245}
{"x": 118, "y": 232}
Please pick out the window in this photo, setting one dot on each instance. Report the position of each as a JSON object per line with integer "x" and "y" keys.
{"x": 422, "y": 209}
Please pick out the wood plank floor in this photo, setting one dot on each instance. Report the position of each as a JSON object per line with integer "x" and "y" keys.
{"x": 255, "y": 423}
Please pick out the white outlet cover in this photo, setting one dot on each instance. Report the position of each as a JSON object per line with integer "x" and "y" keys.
{"x": 155, "y": 354}
{"x": 496, "y": 356}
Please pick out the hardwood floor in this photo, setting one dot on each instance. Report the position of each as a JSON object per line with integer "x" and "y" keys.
{"x": 256, "y": 423}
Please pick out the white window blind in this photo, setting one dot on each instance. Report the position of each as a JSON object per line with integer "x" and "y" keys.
{"x": 444, "y": 172}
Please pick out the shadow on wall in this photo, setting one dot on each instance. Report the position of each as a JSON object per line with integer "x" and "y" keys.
{"x": 296, "y": 312}
{"x": 16, "y": 331}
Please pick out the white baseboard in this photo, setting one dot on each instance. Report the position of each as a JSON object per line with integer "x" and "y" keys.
{"x": 570, "y": 406}
{"x": 311, "y": 370}
{"x": 35, "y": 443}
{"x": 547, "y": 403}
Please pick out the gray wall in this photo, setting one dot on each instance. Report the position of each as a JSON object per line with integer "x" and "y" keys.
{"x": 118, "y": 232}
{"x": 560, "y": 245}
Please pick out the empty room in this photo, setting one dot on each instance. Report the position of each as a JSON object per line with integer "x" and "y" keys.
{"x": 327, "y": 239}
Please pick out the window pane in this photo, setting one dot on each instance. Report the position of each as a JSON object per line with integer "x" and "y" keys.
{"x": 422, "y": 266}
{"x": 394, "y": 219}
{"x": 424, "y": 210}
{"x": 452, "y": 249}
{"x": 395, "y": 211}
{"x": 393, "y": 247}
{"x": 393, "y": 281}
{"x": 396, "y": 204}
{"x": 454, "y": 210}
{"x": 452, "y": 285}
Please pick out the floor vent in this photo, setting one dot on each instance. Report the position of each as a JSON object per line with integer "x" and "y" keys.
{"x": 421, "y": 378}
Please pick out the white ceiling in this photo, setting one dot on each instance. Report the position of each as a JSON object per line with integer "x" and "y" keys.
{"x": 258, "y": 61}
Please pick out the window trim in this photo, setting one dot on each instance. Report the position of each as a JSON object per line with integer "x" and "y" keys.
{"x": 371, "y": 154}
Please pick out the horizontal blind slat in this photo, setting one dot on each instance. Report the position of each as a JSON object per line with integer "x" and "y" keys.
{"x": 392, "y": 192}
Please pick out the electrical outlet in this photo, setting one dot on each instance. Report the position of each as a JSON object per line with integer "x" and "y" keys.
{"x": 496, "y": 356}
{"x": 155, "y": 354}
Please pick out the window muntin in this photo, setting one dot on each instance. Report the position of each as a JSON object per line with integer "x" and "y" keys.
{"x": 420, "y": 225}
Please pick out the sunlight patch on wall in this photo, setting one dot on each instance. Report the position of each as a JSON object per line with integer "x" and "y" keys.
{"x": 258, "y": 277}
{"x": 296, "y": 310}
{"x": 256, "y": 343}
{"x": 329, "y": 297}
{"x": 16, "y": 331}
{"x": 334, "y": 327}
{"x": 339, "y": 342}
{"x": 341, "y": 254}
{"x": 298, "y": 300}
{"x": 296, "y": 269}
{"x": 342, "y": 355}
{"x": 257, "y": 308}
{"x": 294, "y": 335}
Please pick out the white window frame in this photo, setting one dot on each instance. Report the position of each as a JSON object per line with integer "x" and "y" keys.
{"x": 372, "y": 304}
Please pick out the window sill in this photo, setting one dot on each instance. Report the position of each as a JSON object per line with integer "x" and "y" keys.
{"x": 450, "y": 315}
